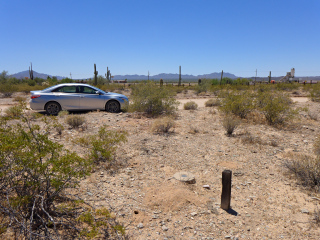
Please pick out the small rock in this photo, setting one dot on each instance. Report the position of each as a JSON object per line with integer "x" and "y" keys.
{"x": 186, "y": 177}
{"x": 193, "y": 214}
{"x": 206, "y": 186}
{"x": 164, "y": 228}
{"x": 305, "y": 211}
{"x": 140, "y": 226}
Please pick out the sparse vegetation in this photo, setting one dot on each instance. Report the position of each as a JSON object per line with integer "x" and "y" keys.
{"x": 230, "y": 123}
{"x": 152, "y": 100}
{"x": 163, "y": 125}
{"x": 212, "y": 103}
{"x": 190, "y": 106}
{"x": 75, "y": 121}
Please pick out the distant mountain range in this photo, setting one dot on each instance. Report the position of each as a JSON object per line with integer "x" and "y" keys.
{"x": 164, "y": 76}
{"x": 21, "y": 75}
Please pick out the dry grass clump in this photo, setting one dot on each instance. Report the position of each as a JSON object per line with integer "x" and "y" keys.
{"x": 19, "y": 99}
{"x": 313, "y": 115}
{"x": 212, "y": 102}
{"x": 75, "y": 121}
{"x": 190, "y": 106}
{"x": 306, "y": 168}
{"x": 163, "y": 125}
{"x": 230, "y": 123}
{"x": 248, "y": 138}
{"x": 63, "y": 113}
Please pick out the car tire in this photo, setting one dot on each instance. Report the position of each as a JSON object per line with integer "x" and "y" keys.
{"x": 113, "y": 106}
{"x": 53, "y": 108}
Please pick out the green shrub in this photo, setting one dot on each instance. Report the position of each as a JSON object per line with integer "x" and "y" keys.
{"x": 276, "y": 107}
{"x": 190, "y": 106}
{"x": 34, "y": 173}
{"x": 163, "y": 125}
{"x": 13, "y": 111}
{"x": 230, "y": 123}
{"x": 152, "y": 100}
{"x": 75, "y": 121}
{"x": 237, "y": 102}
{"x": 102, "y": 146}
{"x": 8, "y": 89}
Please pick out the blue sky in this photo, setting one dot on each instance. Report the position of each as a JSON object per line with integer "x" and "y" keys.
{"x": 136, "y": 36}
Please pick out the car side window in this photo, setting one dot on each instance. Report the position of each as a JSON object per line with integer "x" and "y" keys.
{"x": 87, "y": 90}
{"x": 66, "y": 89}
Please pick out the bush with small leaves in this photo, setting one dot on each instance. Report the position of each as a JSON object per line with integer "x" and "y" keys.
{"x": 75, "y": 121}
{"x": 276, "y": 107}
{"x": 8, "y": 89}
{"x": 230, "y": 123}
{"x": 63, "y": 113}
{"x": 103, "y": 145}
{"x": 237, "y": 102}
{"x": 163, "y": 125}
{"x": 152, "y": 100}
{"x": 190, "y": 106}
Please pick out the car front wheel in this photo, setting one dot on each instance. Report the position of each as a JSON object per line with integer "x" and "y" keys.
{"x": 52, "y": 108}
{"x": 113, "y": 106}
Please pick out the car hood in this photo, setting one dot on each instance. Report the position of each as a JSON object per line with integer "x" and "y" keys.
{"x": 115, "y": 94}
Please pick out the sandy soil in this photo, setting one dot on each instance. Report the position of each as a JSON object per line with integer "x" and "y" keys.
{"x": 266, "y": 203}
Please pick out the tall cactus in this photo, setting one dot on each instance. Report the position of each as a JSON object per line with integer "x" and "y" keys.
{"x": 179, "y": 84}
{"x": 31, "y": 72}
{"x": 221, "y": 77}
{"x": 270, "y": 77}
{"x": 95, "y": 75}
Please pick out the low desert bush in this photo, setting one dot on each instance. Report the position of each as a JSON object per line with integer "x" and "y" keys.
{"x": 19, "y": 99}
{"x": 313, "y": 115}
{"x": 230, "y": 123}
{"x": 152, "y": 100}
{"x": 63, "y": 113}
{"x": 190, "y": 106}
{"x": 34, "y": 176}
{"x": 276, "y": 107}
{"x": 102, "y": 146}
{"x": 163, "y": 125}
{"x": 13, "y": 111}
{"x": 212, "y": 102}
{"x": 306, "y": 169}
{"x": 237, "y": 102}
{"x": 8, "y": 89}
{"x": 75, "y": 121}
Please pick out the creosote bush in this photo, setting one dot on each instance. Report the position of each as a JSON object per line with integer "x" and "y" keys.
{"x": 152, "y": 100}
{"x": 35, "y": 175}
{"x": 75, "y": 121}
{"x": 190, "y": 106}
{"x": 230, "y": 123}
{"x": 102, "y": 146}
{"x": 238, "y": 103}
{"x": 163, "y": 125}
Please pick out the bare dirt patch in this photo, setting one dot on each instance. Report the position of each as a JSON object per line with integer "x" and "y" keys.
{"x": 266, "y": 203}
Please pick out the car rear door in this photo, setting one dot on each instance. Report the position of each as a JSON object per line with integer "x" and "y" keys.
{"x": 68, "y": 97}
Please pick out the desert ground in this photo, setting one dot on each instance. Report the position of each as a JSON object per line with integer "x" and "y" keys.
{"x": 267, "y": 201}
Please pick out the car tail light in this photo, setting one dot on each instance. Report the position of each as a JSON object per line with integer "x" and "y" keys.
{"x": 35, "y": 96}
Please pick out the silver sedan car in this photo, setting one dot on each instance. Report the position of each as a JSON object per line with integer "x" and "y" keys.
{"x": 76, "y": 96}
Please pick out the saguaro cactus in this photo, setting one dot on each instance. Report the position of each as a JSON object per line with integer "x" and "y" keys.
{"x": 179, "y": 84}
{"x": 31, "y": 72}
{"x": 95, "y": 75}
{"x": 161, "y": 82}
{"x": 221, "y": 77}
{"x": 269, "y": 76}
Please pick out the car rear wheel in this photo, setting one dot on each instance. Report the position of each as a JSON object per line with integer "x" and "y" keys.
{"x": 52, "y": 108}
{"x": 113, "y": 106}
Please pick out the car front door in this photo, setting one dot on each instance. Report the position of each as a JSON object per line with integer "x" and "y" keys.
{"x": 90, "y": 99}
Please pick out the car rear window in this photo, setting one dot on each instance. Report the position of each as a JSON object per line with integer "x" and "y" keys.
{"x": 66, "y": 89}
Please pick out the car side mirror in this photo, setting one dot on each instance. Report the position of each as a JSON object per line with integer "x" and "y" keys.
{"x": 98, "y": 92}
